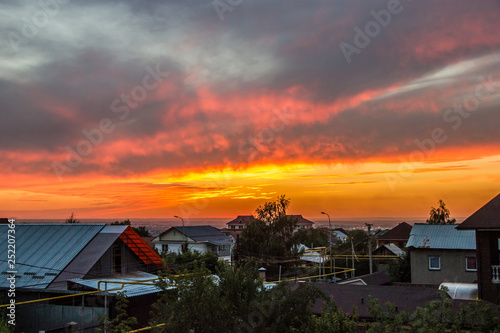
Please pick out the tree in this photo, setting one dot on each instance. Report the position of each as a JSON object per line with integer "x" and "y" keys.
{"x": 440, "y": 215}
{"x": 121, "y": 322}
{"x": 189, "y": 260}
{"x": 401, "y": 271}
{"x": 234, "y": 301}
{"x": 269, "y": 239}
{"x": 141, "y": 231}
{"x": 72, "y": 219}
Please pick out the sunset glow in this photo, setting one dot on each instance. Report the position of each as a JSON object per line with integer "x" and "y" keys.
{"x": 143, "y": 110}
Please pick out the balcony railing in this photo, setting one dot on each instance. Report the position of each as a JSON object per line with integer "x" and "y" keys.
{"x": 495, "y": 273}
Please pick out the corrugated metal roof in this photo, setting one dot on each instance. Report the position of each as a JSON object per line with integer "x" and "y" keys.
{"x": 44, "y": 250}
{"x": 130, "y": 290}
{"x": 84, "y": 261}
{"x": 441, "y": 236}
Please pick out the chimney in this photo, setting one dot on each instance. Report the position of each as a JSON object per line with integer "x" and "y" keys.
{"x": 262, "y": 273}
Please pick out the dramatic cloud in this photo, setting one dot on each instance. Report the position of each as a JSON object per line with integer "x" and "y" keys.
{"x": 130, "y": 92}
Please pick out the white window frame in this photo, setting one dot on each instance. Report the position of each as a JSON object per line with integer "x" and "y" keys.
{"x": 439, "y": 262}
{"x": 467, "y": 266}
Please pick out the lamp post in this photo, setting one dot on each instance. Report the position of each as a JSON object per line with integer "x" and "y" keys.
{"x": 330, "y": 240}
{"x": 183, "y": 231}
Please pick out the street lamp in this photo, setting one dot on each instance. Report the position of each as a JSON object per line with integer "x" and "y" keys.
{"x": 329, "y": 237}
{"x": 183, "y": 231}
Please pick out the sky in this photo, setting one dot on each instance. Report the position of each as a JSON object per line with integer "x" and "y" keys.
{"x": 149, "y": 109}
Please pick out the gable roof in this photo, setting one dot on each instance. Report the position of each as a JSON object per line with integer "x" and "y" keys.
{"x": 201, "y": 233}
{"x": 241, "y": 219}
{"x": 401, "y": 232}
{"x": 441, "y": 236}
{"x": 44, "y": 250}
{"x": 486, "y": 217}
{"x": 301, "y": 219}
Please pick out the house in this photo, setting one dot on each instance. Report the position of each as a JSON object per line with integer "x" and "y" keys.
{"x": 50, "y": 256}
{"x": 398, "y": 235}
{"x": 441, "y": 253}
{"x": 240, "y": 222}
{"x": 485, "y": 222}
{"x": 201, "y": 238}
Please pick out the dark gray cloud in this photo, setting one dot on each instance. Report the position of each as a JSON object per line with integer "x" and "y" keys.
{"x": 63, "y": 79}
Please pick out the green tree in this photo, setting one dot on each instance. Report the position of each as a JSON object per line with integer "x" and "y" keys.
{"x": 332, "y": 319}
{"x": 189, "y": 260}
{"x": 313, "y": 237}
{"x": 72, "y": 219}
{"x": 440, "y": 215}
{"x": 122, "y": 322}
{"x": 401, "y": 271}
{"x": 235, "y": 300}
{"x": 269, "y": 239}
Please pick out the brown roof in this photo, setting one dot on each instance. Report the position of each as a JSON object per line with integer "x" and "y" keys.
{"x": 241, "y": 219}
{"x": 374, "y": 279}
{"x": 301, "y": 220}
{"x": 406, "y": 298}
{"x": 486, "y": 217}
{"x": 398, "y": 233}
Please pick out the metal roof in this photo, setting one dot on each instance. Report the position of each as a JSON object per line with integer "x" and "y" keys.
{"x": 84, "y": 261}
{"x": 43, "y": 251}
{"x": 130, "y": 290}
{"x": 441, "y": 236}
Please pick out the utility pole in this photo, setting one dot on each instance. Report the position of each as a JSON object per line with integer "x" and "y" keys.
{"x": 352, "y": 248}
{"x": 330, "y": 241}
{"x": 369, "y": 225}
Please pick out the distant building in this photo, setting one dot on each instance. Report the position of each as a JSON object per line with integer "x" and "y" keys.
{"x": 441, "y": 253}
{"x": 486, "y": 224}
{"x": 398, "y": 235}
{"x": 202, "y": 238}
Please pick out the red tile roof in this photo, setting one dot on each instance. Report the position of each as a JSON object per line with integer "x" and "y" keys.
{"x": 486, "y": 217}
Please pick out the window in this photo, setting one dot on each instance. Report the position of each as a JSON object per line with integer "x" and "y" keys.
{"x": 470, "y": 264}
{"x": 434, "y": 263}
{"x": 164, "y": 248}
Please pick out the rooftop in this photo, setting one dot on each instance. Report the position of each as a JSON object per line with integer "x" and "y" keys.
{"x": 486, "y": 217}
{"x": 441, "y": 236}
{"x": 400, "y": 232}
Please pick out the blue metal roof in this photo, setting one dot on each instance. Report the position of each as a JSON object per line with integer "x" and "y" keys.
{"x": 441, "y": 236}
{"x": 43, "y": 251}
